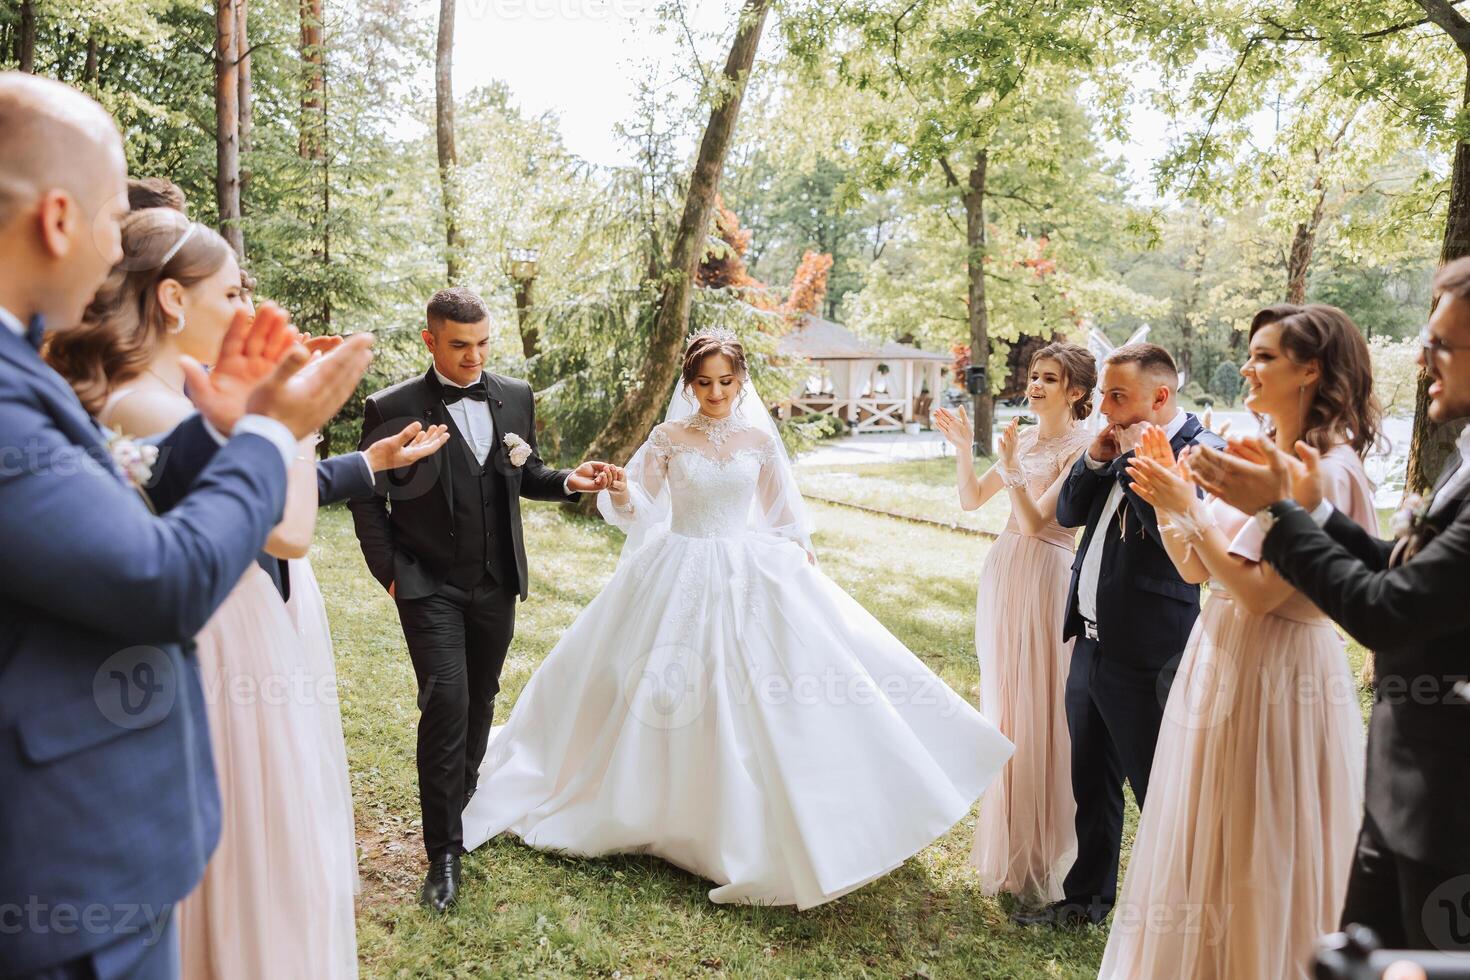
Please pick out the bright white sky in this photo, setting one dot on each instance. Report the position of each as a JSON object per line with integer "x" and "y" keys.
{"x": 582, "y": 59}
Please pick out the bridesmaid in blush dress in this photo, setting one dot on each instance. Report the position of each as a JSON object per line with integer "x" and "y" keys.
{"x": 1245, "y": 843}
{"x": 1025, "y": 838}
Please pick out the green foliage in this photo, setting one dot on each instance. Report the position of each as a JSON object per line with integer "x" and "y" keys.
{"x": 1226, "y": 381}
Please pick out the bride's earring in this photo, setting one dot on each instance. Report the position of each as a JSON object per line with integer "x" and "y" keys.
{"x": 178, "y": 327}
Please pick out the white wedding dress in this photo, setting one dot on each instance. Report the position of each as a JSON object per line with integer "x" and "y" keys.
{"x": 723, "y": 705}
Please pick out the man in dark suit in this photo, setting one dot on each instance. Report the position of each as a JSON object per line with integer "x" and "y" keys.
{"x": 338, "y": 478}
{"x": 1130, "y": 614}
{"x": 1407, "y": 601}
{"x": 109, "y": 809}
{"x": 444, "y": 538}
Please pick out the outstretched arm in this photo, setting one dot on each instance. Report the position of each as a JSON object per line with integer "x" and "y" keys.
{"x": 80, "y": 545}
{"x": 1383, "y": 608}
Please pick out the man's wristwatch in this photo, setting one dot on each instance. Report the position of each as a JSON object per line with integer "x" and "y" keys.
{"x": 1267, "y": 517}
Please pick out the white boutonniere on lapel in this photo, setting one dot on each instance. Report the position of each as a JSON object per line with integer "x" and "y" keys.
{"x": 133, "y": 458}
{"x": 518, "y": 448}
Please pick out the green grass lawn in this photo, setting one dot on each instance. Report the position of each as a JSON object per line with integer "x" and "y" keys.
{"x": 923, "y": 488}
{"x": 526, "y": 913}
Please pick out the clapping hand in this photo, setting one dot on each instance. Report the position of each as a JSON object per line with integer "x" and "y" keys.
{"x": 1155, "y": 476}
{"x": 955, "y": 427}
{"x": 252, "y": 348}
{"x": 1009, "y": 439}
{"x": 1304, "y": 469}
{"x": 407, "y": 447}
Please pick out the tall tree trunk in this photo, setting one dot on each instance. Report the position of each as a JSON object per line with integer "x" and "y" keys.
{"x": 1303, "y": 244}
{"x": 1431, "y": 443}
{"x": 242, "y": 44}
{"x": 444, "y": 131}
{"x": 637, "y": 412}
{"x": 983, "y": 402}
{"x": 227, "y": 125}
{"x": 310, "y": 144}
{"x": 530, "y": 332}
{"x": 89, "y": 70}
{"x": 25, "y": 44}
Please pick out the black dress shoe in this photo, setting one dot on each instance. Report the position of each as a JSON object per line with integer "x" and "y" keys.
{"x": 1063, "y": 914}
{"x": 441, "y": 885}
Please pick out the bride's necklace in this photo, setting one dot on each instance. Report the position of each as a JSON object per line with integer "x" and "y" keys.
{"x": 717, "y": 430}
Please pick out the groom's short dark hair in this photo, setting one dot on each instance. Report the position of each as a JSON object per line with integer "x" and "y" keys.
{"x": 458, "y": 304}
{"x": 1150, "y": 358}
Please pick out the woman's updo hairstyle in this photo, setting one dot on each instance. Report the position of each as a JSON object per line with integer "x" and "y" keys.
{"x": 707, "y": 344}
{"x": 1079, "y": 370}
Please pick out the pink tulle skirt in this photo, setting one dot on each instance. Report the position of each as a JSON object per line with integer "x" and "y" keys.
{"x": 1244, "y": 846}
{"x": 275, "y": 900}
{"x": 1025, "y": 839}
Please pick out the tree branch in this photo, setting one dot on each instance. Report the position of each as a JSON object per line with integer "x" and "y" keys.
{"x": 1448, "y": 19}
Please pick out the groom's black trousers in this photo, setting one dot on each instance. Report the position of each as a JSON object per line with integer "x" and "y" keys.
{"x": 1114, "y": 710}
{"x": 457, "y": 639}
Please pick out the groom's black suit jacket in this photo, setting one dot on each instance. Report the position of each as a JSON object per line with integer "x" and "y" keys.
{"x": 406, "y": 528}
{"x": 1416, "y": 617}
{"x": 1144, "y": 609}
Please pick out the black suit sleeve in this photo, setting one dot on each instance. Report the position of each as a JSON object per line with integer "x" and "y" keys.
{"x": 183, "y": 453}
{"x": 1383, "y": 608}
{"x": 539, "y": 481}
{"x": 370, "y": 513}
{"x": 1074, "y": 500}
{"x": 1372, "y": 552}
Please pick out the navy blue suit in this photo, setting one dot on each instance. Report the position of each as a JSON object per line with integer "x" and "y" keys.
{"x": 1119, "y": 680}
{"x": 109, "y": 808}
{"x": 338, "y": 478}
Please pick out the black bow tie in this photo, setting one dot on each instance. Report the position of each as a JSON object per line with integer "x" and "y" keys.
{"x": 36, "y": 332}
{"x": 476, "y": 392}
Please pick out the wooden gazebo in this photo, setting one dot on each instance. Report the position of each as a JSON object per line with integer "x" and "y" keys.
{"x": 872, "y": 386}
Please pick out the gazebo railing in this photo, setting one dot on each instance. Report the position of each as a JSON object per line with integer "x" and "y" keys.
{"x": 870, "y": 414}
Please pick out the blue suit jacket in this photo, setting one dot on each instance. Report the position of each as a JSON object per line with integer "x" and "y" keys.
{"x": 109, "y": 806}
{"x": 1144, "y": 609}
{"x": 338, "y": 478}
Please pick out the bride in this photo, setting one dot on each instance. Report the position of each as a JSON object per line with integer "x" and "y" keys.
{"x": 722, "y": 704}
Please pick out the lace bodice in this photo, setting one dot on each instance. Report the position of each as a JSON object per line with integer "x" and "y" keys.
{"x": 1042, "y": 461}
{"x": 710, "y": 491}
{"x": 706, "y": 478}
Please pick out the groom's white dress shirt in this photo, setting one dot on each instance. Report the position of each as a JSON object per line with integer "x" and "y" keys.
{"x": 475, "y": 423}
{"x": 472, "y": 418}
{"x": 268, "y": 428}
{"x": 1092, "y": 561}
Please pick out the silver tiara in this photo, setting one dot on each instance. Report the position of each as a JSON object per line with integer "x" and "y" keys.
{"x": 720, "y": 334}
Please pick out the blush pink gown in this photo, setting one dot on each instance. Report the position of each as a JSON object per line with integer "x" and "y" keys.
{"x": 1244, "y": 846}
{"x": 273, "y": 902}
{"x": 1024, "y": 837}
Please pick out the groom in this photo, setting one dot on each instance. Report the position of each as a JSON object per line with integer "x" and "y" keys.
{"x": 1130, "y": 614}
{"x": 444, "y": 538}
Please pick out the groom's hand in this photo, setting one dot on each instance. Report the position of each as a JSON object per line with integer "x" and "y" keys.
{"x": 590, "y": 477}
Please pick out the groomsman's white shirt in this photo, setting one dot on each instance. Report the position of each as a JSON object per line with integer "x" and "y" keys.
{"x": 270, "y": 429}
{"x": 475, "y": 422}
{"x": 1092, "y": 561}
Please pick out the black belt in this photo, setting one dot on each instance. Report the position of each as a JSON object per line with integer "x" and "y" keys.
{"x": 1089, "y": 628}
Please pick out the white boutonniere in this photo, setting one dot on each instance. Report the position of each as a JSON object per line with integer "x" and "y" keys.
{"x": 133, "y": 458}
{"x": 518, "y": 448}
{"x": 1409, "y": 518}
